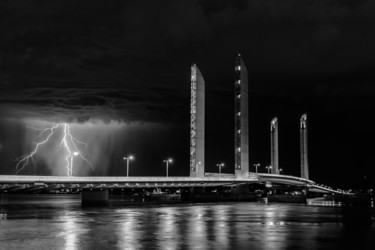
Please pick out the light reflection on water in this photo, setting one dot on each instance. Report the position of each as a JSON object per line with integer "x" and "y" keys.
{"x": 167, "y": 228}
{"x": 221, "y": 226}
{"x": 127, "y": 231}
{"x": 70, "y": 231}
{"x": 26, "y": 223}
{"x": 197, "y": 225}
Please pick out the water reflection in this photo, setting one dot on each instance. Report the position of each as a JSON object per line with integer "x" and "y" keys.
{"x": 273, "y": 237}
{"x": 221, "y": 227}
{"x": 126, "y": 232}
{"x": 197, "y": 226}
{"x": 70, "y": 231}
{"x": 185, "y": 226}
{"x": 167, "y": 234}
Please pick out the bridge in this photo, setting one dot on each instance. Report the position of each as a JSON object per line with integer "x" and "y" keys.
{"x": 13, "y": 183}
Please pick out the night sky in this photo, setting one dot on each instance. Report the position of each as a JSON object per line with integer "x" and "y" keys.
{"x": 119, "y": 73}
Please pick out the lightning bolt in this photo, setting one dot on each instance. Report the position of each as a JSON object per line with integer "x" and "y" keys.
{"x": 23, "y": 161}
{"x": 42, "y": 130}
{"x": 69, "y": 141}
{"x": 71, "y": 145}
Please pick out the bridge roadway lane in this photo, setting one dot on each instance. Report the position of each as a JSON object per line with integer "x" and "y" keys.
{"x": 292, "y": 180}
{"x": 16, "y": 182}
{"x": 284, "y": 179}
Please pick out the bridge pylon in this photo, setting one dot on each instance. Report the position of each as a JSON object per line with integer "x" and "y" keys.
{"x": 197, "y": 123}
{"x": 275, "y": 146}
{"x": 241, "y": 119}
{"x": 303, "y": 147}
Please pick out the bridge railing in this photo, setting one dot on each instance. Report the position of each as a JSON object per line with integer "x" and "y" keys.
{"x": 287, "y": 177}
{"x": 83, "y": 179}
{"x": 309, "y": 182}
{"x": 329, "y": 189}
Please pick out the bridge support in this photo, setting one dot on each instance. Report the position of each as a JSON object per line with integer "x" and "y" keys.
{"x": 241, "y": 192}
{"x": 95, "y": 197}
{"x": 241, "y": 119}
{"x": 197, "y": 110}
{"x": 303, "y": 147}
{"x": 275, "y": 146}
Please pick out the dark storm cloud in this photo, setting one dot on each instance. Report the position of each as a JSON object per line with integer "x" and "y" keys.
{"x": 126, "y": 53}
{"x": 81, "y": 104}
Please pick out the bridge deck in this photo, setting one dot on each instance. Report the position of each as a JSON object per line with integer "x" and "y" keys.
{"x": 109, "y": 179}
{"x": 17, "y": 182}
{"x": 31, "y": 182}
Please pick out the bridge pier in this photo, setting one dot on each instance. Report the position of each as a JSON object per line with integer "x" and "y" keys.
{"x": 192, "y": 193}
{"x": 241, "y": 192}
{"x": 95, "y": 197}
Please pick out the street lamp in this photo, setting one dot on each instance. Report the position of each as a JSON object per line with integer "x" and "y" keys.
{"x": 256, "y": 165}
{"x": 167, "y": 161}
{"x": 75, "y": 153}
{"x": 197, "y": 167}
{"x": 127, "y": 159}
{"x": 269, "y": 168}
{"x": 220, "y": 165}
{"x": 280, "y": 170}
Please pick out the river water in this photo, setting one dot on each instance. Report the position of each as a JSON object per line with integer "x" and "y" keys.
{"x": 60, "y": 222}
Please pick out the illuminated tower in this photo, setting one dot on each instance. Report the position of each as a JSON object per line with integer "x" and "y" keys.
{"x": 197, "y": 123}
{"x": 303, "y": 147}
{"x": 241, "y": 119}
{"x": 274, "y": 146}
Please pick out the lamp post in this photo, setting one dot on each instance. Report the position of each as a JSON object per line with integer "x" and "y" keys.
{"x": 280, "y": 170}
{"x": 128, "y": 158}
{"x": 269, "y": 168}
{"x": 220, "y": 165}
{"x": 256, "y": 165}
{"x": 167, "y": 161}
{"x": 197, "y": 167}
{"x": 75, "y": 153}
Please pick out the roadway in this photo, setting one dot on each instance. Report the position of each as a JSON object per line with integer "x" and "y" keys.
{"x": 34, "y": 183}
{"x": 17, "y": 182}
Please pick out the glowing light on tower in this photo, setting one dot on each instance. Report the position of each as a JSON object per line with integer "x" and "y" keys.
{"x": 275, "y": 146}
{"x": 197, "y": 123}
{"x": 303, "y": 147}
{"x": 68, "y": 142}
{"x": 241, "y": 119}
